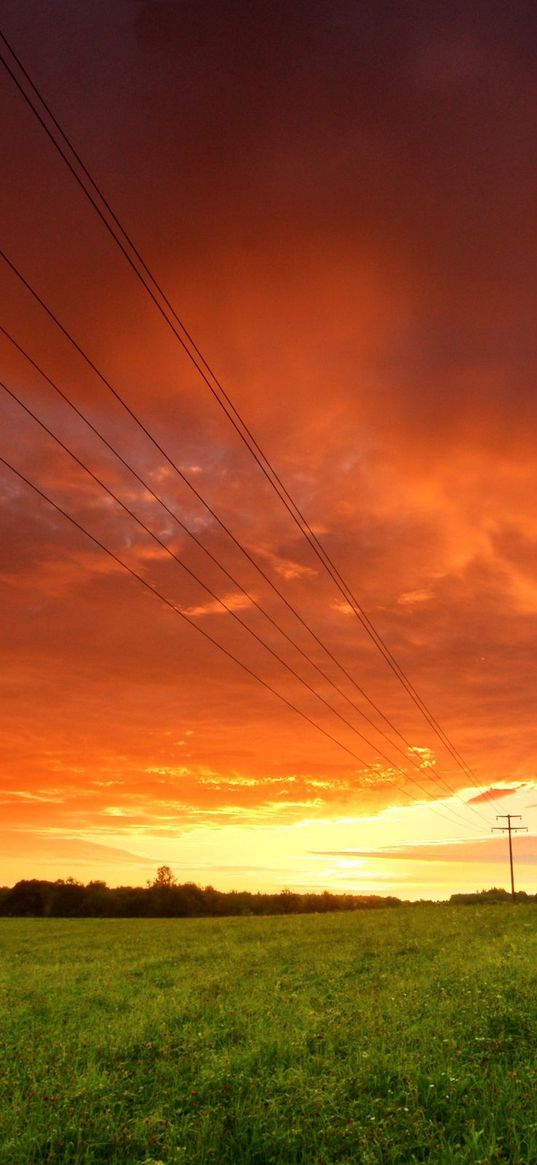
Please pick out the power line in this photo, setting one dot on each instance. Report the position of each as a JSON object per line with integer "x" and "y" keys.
{"x": 438, "y": 777}
{"x": 78, "y": 412}
{"x": 269, "y": 472}
{"x": 225, "y": 606}
{"x": 198, "y": 542}
{"x": 225, "y": 402}
{"x": 177, "y": 610}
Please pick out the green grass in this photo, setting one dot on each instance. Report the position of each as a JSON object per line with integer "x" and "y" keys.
{"x": 396, "y": 1036}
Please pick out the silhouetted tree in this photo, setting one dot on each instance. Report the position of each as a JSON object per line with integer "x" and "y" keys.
{"x": 164, "y": 877}
{"x": 26, "y": 898}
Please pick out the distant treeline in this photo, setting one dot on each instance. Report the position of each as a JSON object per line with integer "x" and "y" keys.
{"x": 166, "y": 898}
{"x": 492, "y": 897}
{"x": 71, "y": 899}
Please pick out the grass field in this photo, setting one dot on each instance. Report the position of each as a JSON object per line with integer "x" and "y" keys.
{"x": 395, "y": 1036}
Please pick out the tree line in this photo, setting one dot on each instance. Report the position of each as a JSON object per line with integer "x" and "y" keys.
{"x": 493, "y": 897}
{"x": 164, "y": 897}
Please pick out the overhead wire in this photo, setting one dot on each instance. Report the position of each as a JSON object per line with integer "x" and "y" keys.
{"x": 222, "y": 602}
{"x": 223, "y": 398}
{"x": 168, "y": 602}
{"x": 407, "y": 755}
{"x": 439, "y": 779}
{"x": 191, "y": 622}
{"x": 227, "y": 404}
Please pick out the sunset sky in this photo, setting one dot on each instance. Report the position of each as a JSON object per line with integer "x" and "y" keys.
{"x": 339, "y": 200}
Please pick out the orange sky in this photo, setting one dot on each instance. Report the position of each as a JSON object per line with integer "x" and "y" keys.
{"x": 339, "y": 199}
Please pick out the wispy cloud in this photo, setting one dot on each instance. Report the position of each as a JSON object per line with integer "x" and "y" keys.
{"x": 493, "y": 794}
{"x": 235, "y": 602}
{"x": 411, "y": 597}
{"x": 483, "y": 850}
{"x": 288, "y": 568}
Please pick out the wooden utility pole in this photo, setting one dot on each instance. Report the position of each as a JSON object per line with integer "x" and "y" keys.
{"x": 509, "y": 829}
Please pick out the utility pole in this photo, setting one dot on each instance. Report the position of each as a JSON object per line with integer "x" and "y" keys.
{"x": 509, "y": 829}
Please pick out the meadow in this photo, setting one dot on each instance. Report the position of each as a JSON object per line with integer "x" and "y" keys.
{"x": 393, "y": 1036}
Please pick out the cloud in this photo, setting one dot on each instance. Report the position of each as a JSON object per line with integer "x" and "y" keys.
{"x": 481, "y": 850}
{"x": 235, "y": 602}
{"x": 286, "y": 567}
{"x": 418, "y": 596}
{"x": 495, "y": 794}
{"x": 49, "y": 847}
{"x": 342, "y": 607}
